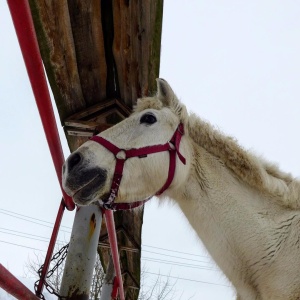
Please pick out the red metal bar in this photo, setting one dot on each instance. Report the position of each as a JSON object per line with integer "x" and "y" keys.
{"x": 110, "y": 224}
{"x": 24, "y": 27}
{"x": 114, "y": 293}
{"x": 23, "y": 23}
{"x": 15, "y": 287}
{"x": 50, "y": 248}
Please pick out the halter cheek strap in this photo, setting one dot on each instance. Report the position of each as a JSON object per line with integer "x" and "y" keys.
{"x": 121, "y": 155}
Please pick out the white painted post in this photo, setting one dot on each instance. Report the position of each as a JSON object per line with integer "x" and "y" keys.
{"x": 79, "y": 267}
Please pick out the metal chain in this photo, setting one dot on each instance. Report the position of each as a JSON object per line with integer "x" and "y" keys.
{"x": 60, "y": 256}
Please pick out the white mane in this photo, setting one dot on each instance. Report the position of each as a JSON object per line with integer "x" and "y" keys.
{"x": 255, "y": 171}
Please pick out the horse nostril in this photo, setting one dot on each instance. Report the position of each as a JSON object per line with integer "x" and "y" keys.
{"x": 73, "y": 160}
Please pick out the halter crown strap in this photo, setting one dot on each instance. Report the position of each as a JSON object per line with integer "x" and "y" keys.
{"x": 175, "y": 141}
{"x": 121, "y": 155}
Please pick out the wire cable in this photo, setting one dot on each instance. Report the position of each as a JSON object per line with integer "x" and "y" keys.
{"x": 179, "y": 264}
{"x": 17, "y": 215}
{"x": 21, "y": 218}
{"x": 22, "y": 246}
{"x": 150, "y": 259}
{"x": 26, "y": 235}
{"x": 188, "y": 279}
{"x": 200, "y": 261}
{"x": 51, "y": 223}
{"x": 175, "y": 251}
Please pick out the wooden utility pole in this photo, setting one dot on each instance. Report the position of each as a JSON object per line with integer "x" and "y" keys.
{"x": 100, "y": 56}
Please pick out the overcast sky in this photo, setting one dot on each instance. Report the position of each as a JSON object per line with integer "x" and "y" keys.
{"x": 234, "y": 63}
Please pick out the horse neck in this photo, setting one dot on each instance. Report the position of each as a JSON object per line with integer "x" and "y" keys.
{"x": 220, "y": 208}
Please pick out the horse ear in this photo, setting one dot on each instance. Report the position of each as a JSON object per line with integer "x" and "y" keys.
{"x": 168, "y": 98}
{"x": 164, "y": 92}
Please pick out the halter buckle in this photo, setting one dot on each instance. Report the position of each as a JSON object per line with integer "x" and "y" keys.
{"x": 121, "y": 155}
{"x": 172, "y": 146}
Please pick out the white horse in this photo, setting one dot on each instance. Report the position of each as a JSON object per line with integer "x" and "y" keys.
{"x": 244, "y": 209}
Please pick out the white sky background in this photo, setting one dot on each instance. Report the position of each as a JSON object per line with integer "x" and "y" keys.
{"x": 234, "y": 63}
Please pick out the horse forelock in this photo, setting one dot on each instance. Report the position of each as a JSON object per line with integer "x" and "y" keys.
{"x": 146, "y": 103}
{"x": 174, "y": 105}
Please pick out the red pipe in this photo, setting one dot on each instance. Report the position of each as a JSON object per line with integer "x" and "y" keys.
{"x": 21, "y": 16}
{"x": 24, "y": 27}
{"x": 114, "y": 293}
{"x": 110, "y": 224}
{"x": 23, "y": 23}
{"x": 14, "y": 286}
{"x": 50, "y": 248}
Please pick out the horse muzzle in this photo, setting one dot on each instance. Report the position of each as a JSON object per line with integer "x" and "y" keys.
{"x": 81, "y": 181}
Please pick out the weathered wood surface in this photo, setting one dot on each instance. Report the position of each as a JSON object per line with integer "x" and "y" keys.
{"x": 95, "y": 51}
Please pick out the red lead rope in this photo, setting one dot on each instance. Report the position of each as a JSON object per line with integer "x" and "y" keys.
{"x": 122, "y": 155}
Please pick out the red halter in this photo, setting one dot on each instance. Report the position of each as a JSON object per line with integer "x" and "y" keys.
{"x": 122, "y": 155}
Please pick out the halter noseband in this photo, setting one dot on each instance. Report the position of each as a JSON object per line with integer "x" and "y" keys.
{"x": 122, "y": 155}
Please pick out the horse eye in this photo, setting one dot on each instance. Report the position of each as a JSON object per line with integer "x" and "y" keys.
{"x": 148, "y": 119}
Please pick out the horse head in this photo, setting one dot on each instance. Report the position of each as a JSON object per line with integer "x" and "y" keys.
{"x": 244, "y": 209}
{"x": 141, "y": 148}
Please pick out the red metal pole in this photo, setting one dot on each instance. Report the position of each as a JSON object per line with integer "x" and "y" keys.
{"x": 24, "y": 27}
{"x": 23, "y": 23}
{"x": 114, "y": 293}
{"x": 15, "y": 287}
{"x": 110, "y": 224}
{"x": 50, "y": 248}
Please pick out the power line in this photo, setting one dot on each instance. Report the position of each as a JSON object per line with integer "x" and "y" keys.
{"x": 24, "y": 233}
{"x": 12, "y": 212}
{"x": 21, "y": 246}
{"x": 9, "y": 213}
{"x": 187, "y": 279}
{"x": 173, "y": 277}
{"x": 145, "y": 258}
{"x": 175, "y": 251}
{"x": 175, "y": 263}
{"x": 150, "y": 259}
{"x": 20, "y": 218}
{"x": 31, "y": 238}
{"x": 201, "y": 261}
{"x": 179, "y": 264}
{"x": 21, "y": 232}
